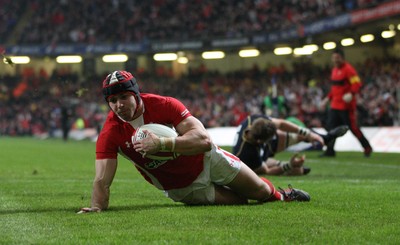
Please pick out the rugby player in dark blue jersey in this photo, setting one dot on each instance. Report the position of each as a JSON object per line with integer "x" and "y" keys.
{"x": 260, "y": 137}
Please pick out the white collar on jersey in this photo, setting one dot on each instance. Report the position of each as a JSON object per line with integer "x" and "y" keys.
{"x": 137, "y": 122}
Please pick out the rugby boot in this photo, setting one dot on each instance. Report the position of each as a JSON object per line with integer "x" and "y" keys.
{"x": 292, "y": 194}
{"x": 335, "y": 133}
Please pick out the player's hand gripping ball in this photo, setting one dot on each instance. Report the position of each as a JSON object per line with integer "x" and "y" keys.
{"x": 160, "y": 131}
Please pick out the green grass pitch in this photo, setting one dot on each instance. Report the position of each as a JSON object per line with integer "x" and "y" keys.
{"x": 43, "y": 183}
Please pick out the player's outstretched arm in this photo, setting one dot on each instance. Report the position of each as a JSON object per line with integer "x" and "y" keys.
{"x": 193, "y": 137}
{"x": 105, "y": 172}
{"x": 304, "y": 134}
{"x": 285, "y": 126}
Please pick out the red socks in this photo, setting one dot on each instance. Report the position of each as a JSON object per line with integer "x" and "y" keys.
{"x": 275, "y": 195}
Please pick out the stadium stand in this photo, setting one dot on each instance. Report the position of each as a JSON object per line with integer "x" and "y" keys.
{"x": 130, "y": 21}
{"x": 31, "y": 102}
{"x": 10, "y": 12}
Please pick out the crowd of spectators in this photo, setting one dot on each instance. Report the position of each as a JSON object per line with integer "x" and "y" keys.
{"x": 35, "y": 104}
{"x": 10, "y": 12}
{"x": 109, "y": 21}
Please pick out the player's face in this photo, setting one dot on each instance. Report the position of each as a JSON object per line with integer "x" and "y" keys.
{"x": 124, "y": 105}
{"x": 337, "y": 60}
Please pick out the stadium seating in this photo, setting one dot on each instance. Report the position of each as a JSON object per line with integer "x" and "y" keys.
{"x": 31, "y": 103}
{"x": 109, "y": 21}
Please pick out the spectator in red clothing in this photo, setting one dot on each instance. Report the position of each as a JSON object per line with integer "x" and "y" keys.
{"x": 345, "y": 85}
{"x": 20, "y": 89}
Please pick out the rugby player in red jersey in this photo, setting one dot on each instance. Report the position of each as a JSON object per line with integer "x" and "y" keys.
{"x": 345, "y": 85}
{"x": 203, "y": 173}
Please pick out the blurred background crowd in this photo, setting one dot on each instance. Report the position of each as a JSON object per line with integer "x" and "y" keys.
{"x": 34, "y": 102}
{"x": 94, "y": 21}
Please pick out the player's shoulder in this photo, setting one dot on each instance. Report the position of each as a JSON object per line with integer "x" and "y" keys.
{"x": 112, "y": 118}
{"x": 112, "y": 122}
{"x": 159, "y": 101}
{"x": 348, "y": 66}
{"x": 113, "y": 132}
{"x": 146, "y": 97}
{"x": 153, "y": 97}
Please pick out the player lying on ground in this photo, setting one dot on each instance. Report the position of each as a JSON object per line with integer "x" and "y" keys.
{"x": 260, "y": 137}
{"x": 203, "y": 173}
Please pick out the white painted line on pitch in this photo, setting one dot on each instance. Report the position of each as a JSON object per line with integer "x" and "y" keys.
{"x": 358, "y": 181}
{"x": 357, "y": 163}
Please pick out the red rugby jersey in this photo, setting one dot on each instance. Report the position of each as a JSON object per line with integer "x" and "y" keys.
{"x": 116, "y": 134}
{"x": 344, "y": 79}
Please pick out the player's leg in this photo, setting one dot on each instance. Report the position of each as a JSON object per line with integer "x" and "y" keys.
{"x": 334, "y": 120}
{"x": 351, "y": 119}
{"x": 239, "y": 191}
{"x": 225, "y": 196}
{"x": 249, "y": 185}
{"x": 334, "y": 133}
{"x": 228, "y": 170}
{"x": 242, "y": 183}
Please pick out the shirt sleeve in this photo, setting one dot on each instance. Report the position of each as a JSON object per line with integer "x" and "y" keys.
{"x": 106, "y": 146}
{"x": 177, "y": 109}
{"x": 354, "y": 79}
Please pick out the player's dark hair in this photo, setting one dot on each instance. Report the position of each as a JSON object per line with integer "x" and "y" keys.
{"x": 339, "y": 51}
{"x": 263, "y": 129}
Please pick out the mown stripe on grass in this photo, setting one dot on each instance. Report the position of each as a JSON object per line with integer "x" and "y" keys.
{"x": 88, "y": 181}
{"x": 366, "y": 181}
{"x": 356, "y": 163}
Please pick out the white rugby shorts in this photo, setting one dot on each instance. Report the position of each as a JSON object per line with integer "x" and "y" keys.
{"x": 220, "y": 168}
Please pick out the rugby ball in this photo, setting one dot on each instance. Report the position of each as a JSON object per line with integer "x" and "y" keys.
{"x": 161, "y": 131}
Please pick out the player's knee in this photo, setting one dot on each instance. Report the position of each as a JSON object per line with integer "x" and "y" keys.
{"x": 261, "y": 192}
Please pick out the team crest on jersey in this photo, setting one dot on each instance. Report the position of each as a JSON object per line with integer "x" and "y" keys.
{"x": 155, "y": 164}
